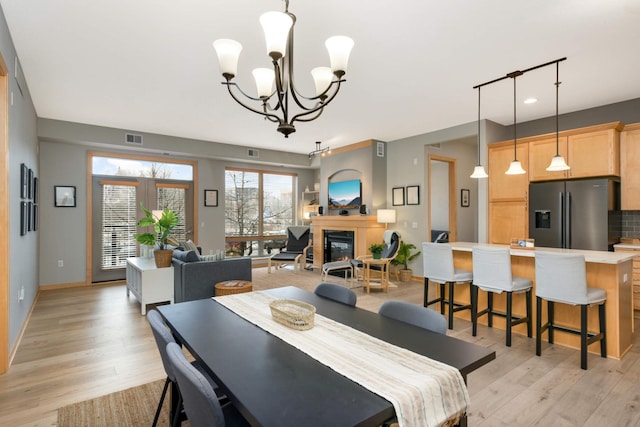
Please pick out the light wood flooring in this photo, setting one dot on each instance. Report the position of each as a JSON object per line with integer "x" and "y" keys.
{"x": 81, "y": 343}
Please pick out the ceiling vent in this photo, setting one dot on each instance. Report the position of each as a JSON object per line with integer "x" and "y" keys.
{"x": 133, "y": 139}
{"x": 253, "y": 153}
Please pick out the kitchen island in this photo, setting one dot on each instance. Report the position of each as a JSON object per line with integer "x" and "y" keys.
{"x": 611, "y": 271}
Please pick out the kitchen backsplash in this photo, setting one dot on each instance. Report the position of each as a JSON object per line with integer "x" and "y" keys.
{"x": 630, "y": 223}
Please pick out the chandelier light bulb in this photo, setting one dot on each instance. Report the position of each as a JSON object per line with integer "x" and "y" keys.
{"x": 322, "y": 77}
{"x": 276, "y": 26}
{"x": 228, "y": 53}
{"x": 339, "y": 48}
{"x": 264, "y": 78}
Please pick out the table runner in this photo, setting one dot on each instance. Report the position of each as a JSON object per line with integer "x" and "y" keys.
{"x": 424, "y": 392}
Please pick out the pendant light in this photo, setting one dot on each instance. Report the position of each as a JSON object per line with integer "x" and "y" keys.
{"x": 515, "y": 168}
{"x": 478, "y": 171}
{"x": 557, "y": 162}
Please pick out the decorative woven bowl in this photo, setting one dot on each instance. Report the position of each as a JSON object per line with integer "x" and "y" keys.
{"x": 294, "y": 314}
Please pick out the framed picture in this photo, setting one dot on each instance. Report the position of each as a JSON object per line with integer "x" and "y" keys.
{"x": 24, "y": 218}
{"x": 413, "y": 195}
{"x": 35, "y": 190}
{"x": 29, "y": 216}
{"x": 397, "y": 196}
{"x": 64, "y": 196}
{"x": 30, "y": 183}
{"x": 464, "y": 197}
{"x": 211, "y": 198}
{"x": 24, "y": 181}
{"x": 34, "y": 217}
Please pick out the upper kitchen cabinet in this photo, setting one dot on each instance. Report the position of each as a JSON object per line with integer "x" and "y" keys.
{"x": 540, "y": 154}
{"x": 507, "y": 187}
{"x": 629, "y": 169}
{"x": 589, "y": 152}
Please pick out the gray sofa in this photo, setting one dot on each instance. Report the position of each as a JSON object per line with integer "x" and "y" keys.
{"x": 194, "y": 279}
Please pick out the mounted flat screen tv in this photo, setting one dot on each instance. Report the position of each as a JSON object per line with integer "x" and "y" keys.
{"x": 345, "y": 194}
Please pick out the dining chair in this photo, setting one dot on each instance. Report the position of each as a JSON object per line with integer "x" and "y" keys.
{"x": 562, "y": 278}
{"x": 163, "y": 336}
{"x": 492, "y": 273}
{"x": 336, "y": 293}
{"x": 415, "y": 315}
{"x": 439, "y": 268}
{"x": 201, "y": 404}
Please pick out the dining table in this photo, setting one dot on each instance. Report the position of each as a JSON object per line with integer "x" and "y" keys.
{"x": 272, "y": 383}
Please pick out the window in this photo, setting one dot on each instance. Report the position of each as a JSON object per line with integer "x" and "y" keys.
{"x": 118, "y": 224}
{"x": 259, "y": 206}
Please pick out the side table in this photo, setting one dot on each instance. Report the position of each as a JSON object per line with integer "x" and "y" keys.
{"x": 148, "y": 283}
{"x": 230, "y": 287}
{"x": 384, "y": 273}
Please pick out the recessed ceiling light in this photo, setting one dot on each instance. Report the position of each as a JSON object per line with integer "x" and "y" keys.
{"x": 530, "y": 101}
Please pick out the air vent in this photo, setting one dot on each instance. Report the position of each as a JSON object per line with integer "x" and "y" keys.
{"x": 434, "y": 146}
{"x": 253, "y": 153}
{"x": 133, "y": 139}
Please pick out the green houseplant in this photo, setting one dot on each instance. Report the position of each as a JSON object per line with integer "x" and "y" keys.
{"x": 162, "y": 227}
{"x": 403, "y": 258}
{"x": 376, "y": 249}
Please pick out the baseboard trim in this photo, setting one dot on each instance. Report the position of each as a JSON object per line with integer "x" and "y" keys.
{"x": 18, "y": 340}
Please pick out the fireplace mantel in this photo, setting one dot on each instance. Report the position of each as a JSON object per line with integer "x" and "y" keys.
{"x": 366, "y": 229}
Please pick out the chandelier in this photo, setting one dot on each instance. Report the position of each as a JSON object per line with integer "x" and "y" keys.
{"x": 275, "y": 104}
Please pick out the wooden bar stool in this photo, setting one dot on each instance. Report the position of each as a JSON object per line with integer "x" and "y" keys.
{"x": 492, "y": 274}
{"x": 438, "y": 268}
{"x": 562, "y": 278}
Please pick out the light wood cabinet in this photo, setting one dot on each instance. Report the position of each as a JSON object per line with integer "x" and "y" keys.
{"x": 590, "y": 152}
{"x": 635, "y": 276}
{"x": 504, "y": 187}
{"x": 630, "y": 167}
{"x": 540, "y": 154}
{"x": 508, "y": 220}
{"x": 594, "y": 154}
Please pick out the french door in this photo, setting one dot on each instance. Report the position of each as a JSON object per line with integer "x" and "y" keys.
{"x": 116, "y": 210}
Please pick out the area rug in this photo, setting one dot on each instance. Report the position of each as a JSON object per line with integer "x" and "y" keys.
{"x": 132, "y": 407}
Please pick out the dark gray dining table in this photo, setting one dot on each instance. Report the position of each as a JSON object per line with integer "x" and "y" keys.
{"x": 274, "y": 384}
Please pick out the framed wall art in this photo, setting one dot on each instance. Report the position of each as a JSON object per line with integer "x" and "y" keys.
{"x": 465, "y": 195}
{"x": 64, "y": 196}
{"x": 413, "y": 195}
{"x": 211, "y": 198}
{"x": 24, "y": 218}
{"x": 397, "y": 196}
{"x": 24, "y": 181}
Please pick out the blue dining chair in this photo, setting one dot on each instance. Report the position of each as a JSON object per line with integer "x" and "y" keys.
{"x": 415, "y": 315}
{"x": 337, "y": 293}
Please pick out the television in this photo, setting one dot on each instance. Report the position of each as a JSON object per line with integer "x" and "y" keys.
{"x": 345, "y": 194}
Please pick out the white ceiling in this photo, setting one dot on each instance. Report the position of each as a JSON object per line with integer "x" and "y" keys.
{"x": 148, "y": 65}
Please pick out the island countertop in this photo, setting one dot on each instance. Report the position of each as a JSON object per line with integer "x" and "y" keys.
{"x": 610, "y": 271}
{"x": 602, "y": 257}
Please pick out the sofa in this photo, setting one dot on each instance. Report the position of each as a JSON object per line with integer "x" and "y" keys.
{"x": 195, "y": 279}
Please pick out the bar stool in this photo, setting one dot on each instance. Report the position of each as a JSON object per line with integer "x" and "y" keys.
{"x": 492, "y": 274}
{"x": 562, "y": 278}
{"x": 438, "y": 267}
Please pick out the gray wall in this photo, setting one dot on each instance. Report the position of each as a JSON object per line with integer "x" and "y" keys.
{"x": 63, "y": 232}
{"x": 406, "y": 165}
{"x": 23, "y": 148}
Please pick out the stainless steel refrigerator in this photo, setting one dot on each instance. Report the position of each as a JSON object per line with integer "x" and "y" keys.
{"x": 581, "y": 214}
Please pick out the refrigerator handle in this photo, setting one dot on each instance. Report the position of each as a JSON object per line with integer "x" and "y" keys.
{"x": 567, "y": 222}
{"x": 561, "y": 220}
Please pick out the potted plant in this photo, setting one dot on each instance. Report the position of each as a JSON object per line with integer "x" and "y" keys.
{"x": 162, "y": 226}
{"x": 376, "y": 249}
{"x": 403, "y": 258}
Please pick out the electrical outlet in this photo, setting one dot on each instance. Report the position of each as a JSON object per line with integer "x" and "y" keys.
{"x": 624, "y": 278}
{"x": 21, "y": 294}
{"x": 60, "y": 263}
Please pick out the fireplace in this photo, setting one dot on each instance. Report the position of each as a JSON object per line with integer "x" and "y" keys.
{"x": 338, "y": 245}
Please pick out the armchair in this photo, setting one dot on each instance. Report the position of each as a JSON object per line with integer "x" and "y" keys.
{"x": 298, "y": 238}
{"x": 365, "y": 265}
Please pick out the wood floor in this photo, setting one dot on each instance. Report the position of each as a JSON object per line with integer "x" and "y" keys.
{"x": 81, "y": 343}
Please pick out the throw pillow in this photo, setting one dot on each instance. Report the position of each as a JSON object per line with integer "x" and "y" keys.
{"x": 190, "y": 246}
{"x": 212, "y": 257}
{"x": 186, "y": 256}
